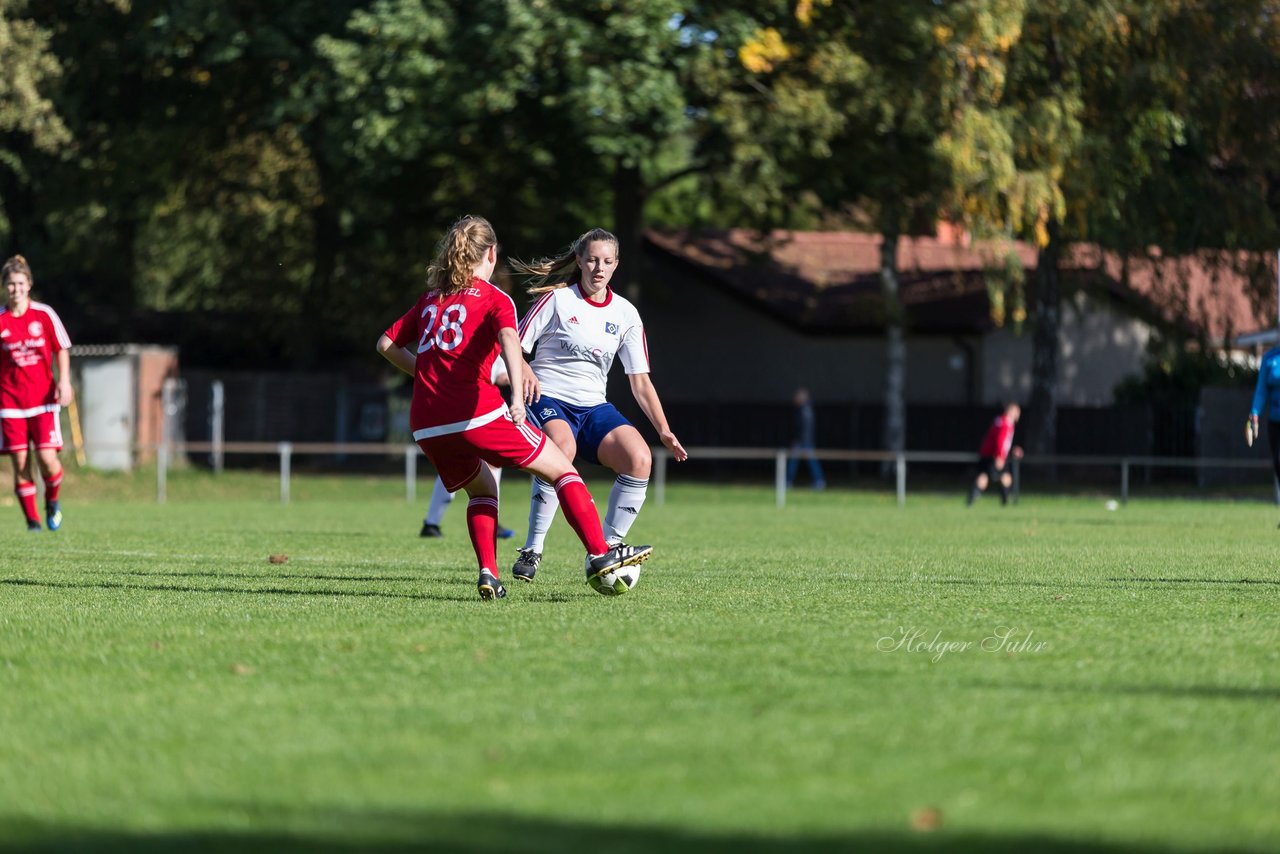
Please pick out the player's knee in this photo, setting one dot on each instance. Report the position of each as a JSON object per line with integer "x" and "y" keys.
{"x": 640, "y": 461}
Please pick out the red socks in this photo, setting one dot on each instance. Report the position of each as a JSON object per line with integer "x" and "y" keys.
{"x": 580, "y": 511}
{"x": 51, "y": 487}
{"x": 26, "y": 492}
{"x": 482, "y": 525}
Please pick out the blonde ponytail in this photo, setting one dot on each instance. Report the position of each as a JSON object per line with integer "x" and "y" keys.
{"x": 458, "y": 253}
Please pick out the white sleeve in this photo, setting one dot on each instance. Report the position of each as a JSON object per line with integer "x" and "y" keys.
{"x": 537, "y": 321}
{"x": 634, "y": 349}
{"x": 499, "y": 368}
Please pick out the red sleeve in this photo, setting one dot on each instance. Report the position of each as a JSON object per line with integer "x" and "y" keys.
{"x": 504, "y": 312}
{"x": 405, "y": 330}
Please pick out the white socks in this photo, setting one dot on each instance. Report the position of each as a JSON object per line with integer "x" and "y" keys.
{"x": 625, "y": 500}
{"x": 543, "y": 504}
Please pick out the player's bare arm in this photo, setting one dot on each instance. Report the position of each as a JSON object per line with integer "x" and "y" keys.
{"x": 647, "y": 396}
{"x": 396, "y": 355}
{"x": 64, "y": 393}
{"x": 509, "y": 341}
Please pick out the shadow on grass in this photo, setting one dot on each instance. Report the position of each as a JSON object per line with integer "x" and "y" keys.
{"x": 1100, "y": 583}
{"x": 494, "y": 832}
{"x": 1201, "y": 580}
{"x": 255, "y": 591}
{"x": 1175, "y": 692}
{"x": 247, "y": 576}
{"x": 554, "y": 597}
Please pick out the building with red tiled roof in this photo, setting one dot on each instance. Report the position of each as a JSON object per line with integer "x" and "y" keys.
{"x": 807, "y": 308}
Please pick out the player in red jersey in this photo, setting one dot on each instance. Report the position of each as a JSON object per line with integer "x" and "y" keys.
{"x": 459, "y": 419}
{"x": 997, "y": 445}
{"x": 32, "y": 338}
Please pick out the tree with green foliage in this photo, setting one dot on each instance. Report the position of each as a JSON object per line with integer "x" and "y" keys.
{"x": 29, "y": 121}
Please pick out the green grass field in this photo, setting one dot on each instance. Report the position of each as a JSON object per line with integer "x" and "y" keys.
{"x": 787, "y": 680}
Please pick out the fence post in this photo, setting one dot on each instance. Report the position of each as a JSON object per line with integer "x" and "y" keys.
{"x": 411, "y": 473}
{"x": 217, "y": 420}
{"x": 900, "y": 463}
{"x": 780, "y": 478}
{"x": 162, "y": 472}
{"x": 286, "y": 460}
{"x": 1124, "y": 481}
{"x": 659, "y": 476}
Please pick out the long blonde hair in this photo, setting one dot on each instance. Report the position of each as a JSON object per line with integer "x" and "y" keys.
{"x": 458, "y": 253}
{"x": 17, "y": 264}
{"x": 547, "y": 274}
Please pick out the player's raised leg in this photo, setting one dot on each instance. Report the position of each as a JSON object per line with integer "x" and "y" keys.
{"x": 579, "y": 510}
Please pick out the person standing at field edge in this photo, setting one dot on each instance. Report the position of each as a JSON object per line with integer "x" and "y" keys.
{"x": 32, "y": 338}
{"x": 578, "y": 326}
{"x": 804, "y": 442}
{"x": 997, "y": 445}
{"x": 1267, "y": 394}
{"x": 457, "y": 415}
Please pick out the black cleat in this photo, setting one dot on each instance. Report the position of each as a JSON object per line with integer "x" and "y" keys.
{"x": 429, "y": 530}
{"x": 490, "y": 587}
{"x": 617, "y": 557}
{"x": 526, "y": 566}
{"x": 33, "y": 525}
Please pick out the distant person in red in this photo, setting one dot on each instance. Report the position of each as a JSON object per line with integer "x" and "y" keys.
{"x": 994, "y": 454}
{"x": 458, "y": 417}
{"x": 32, "y": 338}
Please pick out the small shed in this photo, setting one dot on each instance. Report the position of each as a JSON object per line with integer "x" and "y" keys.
{"x": 120, "y": 390}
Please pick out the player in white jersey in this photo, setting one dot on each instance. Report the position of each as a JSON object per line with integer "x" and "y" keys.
{"x": 577, "y": 327}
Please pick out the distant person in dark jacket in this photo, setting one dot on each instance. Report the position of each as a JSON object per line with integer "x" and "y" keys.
{"x": 802, "y": 443}
{"x": 994, "y": 454}
{"x": 1266, "y": 398}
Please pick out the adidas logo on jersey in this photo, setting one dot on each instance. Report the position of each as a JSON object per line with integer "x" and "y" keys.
{"x": 574, "y": 321}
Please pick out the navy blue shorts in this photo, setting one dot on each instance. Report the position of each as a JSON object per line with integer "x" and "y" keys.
{"x": 590, "y": 424}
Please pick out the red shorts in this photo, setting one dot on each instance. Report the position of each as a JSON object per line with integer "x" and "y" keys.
{"x": 500, "y": 443}
{"x": 43, "y": 428}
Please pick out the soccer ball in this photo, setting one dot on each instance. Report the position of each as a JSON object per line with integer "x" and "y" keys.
{"x": 617, "y": 582}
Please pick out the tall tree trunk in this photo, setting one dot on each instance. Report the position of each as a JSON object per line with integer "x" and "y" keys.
{"x": 628, "y": 226}
{"x": 895, "y": 376}
{"x": 1042, "y": 410}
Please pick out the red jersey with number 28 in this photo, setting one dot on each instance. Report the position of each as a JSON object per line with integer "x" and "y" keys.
{"x": 456, "y": 336}
{"x": 28, "y": 345}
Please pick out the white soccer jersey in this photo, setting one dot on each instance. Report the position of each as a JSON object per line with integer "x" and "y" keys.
{"x": 577, "y": 341}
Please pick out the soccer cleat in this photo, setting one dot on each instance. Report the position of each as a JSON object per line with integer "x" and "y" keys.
{"x": 429, "y": 530}
{"x": 490, "y": 587}
{"x": 33, "y": 525}
{"x": 53, "y": 516}
{"x": 526, "y": 566}
{"x": 505, "y": 533}
{"x": 617, "y": 557}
